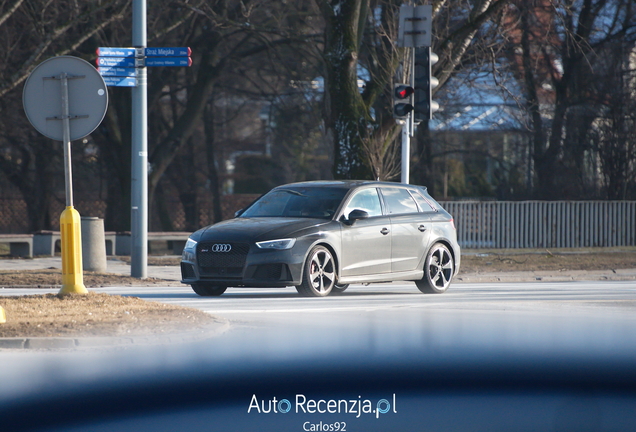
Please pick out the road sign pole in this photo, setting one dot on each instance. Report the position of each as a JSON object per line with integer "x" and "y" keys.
{"x": 60, "y": 84}
{"x": 139, "y": 178}
{"x": 70, "y": 228}
{"x": 414, "y": 30}
{"x": 66, "y": 138}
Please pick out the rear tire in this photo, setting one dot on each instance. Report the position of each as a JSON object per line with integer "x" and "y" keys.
{"x": 319, "y": 273}
{"x": 208, "y": 290}
{"x": 438, "y": 270}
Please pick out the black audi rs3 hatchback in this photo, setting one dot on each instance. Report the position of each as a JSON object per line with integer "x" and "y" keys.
{"x": 322, "y": 236}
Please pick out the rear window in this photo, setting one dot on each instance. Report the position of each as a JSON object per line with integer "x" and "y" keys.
{"x": 399, "y": 201}
{"x": 424, "y": 204}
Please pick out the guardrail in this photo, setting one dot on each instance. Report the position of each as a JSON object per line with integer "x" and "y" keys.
{"x": 543, "y": 224}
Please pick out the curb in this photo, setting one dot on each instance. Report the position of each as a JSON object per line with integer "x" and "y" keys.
{"x": 54, "y": 343}
{"x": 548, "y": 276}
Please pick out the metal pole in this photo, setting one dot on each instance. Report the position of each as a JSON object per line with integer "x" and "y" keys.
{"x": 70, "y": 228}
{"x": 406, "y": 151}
{"x": 66, "y": 137}
{"x": 412, "y": 84}
{"x": 139, "y": 179}
{"x": 408, "y": 127}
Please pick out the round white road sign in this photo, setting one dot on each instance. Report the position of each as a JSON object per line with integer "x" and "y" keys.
{"x": 43, "y": 97}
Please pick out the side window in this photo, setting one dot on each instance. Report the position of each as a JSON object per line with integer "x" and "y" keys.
{"x": 424, "y": 204}
{"x": 399, "y": 201}
{"x": 367, "y": 200}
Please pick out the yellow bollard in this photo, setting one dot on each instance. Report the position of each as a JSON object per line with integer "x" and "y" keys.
{"x": 3, "y": 317}
{"x": 70, "y": 233}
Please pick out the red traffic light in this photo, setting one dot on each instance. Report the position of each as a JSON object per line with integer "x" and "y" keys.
{"x": 402, "y": 91}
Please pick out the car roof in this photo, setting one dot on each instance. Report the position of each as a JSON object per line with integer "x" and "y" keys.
{"x": 348, "y": 184}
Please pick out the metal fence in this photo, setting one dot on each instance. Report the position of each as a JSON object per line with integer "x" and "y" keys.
{"x": 544, "y": 224}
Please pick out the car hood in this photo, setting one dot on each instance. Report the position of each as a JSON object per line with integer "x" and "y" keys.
{"x": 258, "y": 229}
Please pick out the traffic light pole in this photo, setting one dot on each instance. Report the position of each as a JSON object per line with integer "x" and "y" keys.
{"x": 408, "y": 128}
{"x": 406, "y": 150}
{"x": 414, "y": 30}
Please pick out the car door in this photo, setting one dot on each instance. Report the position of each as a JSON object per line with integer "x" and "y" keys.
{"x": 409, "y": 229}
{"x": 366, "y": 243}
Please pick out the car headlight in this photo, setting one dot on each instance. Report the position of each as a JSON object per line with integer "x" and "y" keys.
{"x": 189, "y": 250}
{"x": 279, "y": 244}
{"x": 190, "y": 244}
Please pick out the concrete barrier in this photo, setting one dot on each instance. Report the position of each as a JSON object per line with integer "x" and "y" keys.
{"x": 93, "y": 244}
{"x": 175, "y": 241}
{"x": 20, "y": 245}
{"x": 46, "y": 243}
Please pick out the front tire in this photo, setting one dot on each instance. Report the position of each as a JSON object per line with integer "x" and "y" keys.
{"x": 319, "y": 273}
{"x": 208, "y": 290}
{"x": 339, "y": 288}
{"x": 438, "y": 270}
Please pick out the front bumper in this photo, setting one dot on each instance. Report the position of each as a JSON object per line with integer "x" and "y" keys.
{"x": 245, "y": 265}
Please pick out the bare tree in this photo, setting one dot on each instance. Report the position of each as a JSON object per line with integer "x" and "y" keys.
{"x": 243, "y": 50}
{"x": 30, "y": 32}
{"x": 360, "y": 35}
{"x": 555, "y": 47}
{"x": 35, "y": 30}
{"x": 614, "y": 137}
{"x": 465, "y": 34}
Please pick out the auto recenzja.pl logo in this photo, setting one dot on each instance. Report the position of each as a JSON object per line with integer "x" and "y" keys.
{"x": 302, "y": 405}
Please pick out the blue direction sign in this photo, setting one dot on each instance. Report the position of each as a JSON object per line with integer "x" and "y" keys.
{"x": 168, "y": 61}
{"x": 117, "y": 71}
{"x": 116, "y": 61}
{"x": 168, "y": 52}
{"x": 120, "y": 81}
{"x": 116, "y": 52}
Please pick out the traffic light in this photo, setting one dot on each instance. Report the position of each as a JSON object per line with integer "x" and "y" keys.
{"x": 402, "y": 100}
{"x": 425, "y": 82}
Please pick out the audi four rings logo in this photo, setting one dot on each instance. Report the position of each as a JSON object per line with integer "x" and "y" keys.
{"x": 221, "y": 247}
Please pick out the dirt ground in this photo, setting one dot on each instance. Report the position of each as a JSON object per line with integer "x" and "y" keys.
{"x": 52, "y": 278}
{"x": 95, "y": 314}
{"x": 589, "y": 259}
{"x": 98, "y": 314}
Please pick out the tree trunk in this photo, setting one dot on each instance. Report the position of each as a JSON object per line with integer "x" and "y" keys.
{"x": 346, "y": 114}
{"x": 213, "y": 173}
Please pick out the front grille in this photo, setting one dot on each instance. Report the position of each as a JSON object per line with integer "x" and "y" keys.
{"x": 222, "y": 264}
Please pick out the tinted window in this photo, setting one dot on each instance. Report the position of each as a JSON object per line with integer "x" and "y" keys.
{"x": 399, "y": 201}
{"x": 367, "y": 200}
{"x": 425, "y": 206}
{"x": 313, "y": 202}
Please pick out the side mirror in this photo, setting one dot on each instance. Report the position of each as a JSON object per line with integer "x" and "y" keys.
{"x": 355, "y": 215}
{"x": 238, "y": 212}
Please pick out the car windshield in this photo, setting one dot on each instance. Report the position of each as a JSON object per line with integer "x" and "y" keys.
{"x": 305, "y": 202}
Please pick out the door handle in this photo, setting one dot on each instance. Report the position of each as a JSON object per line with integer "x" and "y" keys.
{"x": 385, "y": 231}
{"x": 421, "y": 228}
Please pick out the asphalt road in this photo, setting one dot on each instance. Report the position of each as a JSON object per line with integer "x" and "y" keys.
{"x": 546, "y": 316}
{"x": 401, "y": 308}
{"x": 614, "y": 300}
{"x": 581, "y": 316}
{"x": 517, "y": 333}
